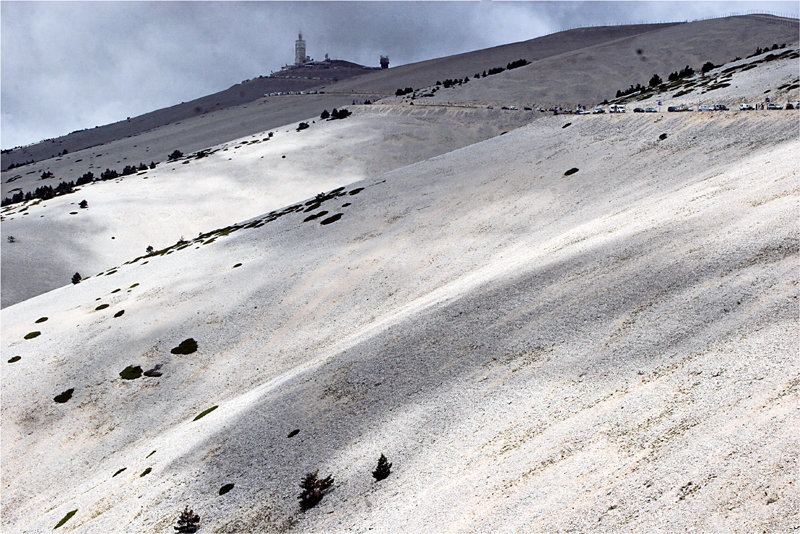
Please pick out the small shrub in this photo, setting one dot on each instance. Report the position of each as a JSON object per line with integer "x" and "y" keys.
{"x": 101, "y": 307}
{"x": 188, "y": 521}
{"x": 356, "y": 191}
{"x": 662, "y": 137}
{"x": 31, "y": 335}
{"x": 63, "y": 397}
{"x": 14, "y": 359}
{"x": 176, "y": 154}
{"x": 573, "y": 170}
{"x": 76, "y": 278}
{"x": 118, "y": 472}
{"x": 313, "y": 490}
{"x": 324, "y": 114}
{"x": 41, "y": 319}
{"x": 331, "y": 219}
{"x": 83, "y": 204}
{"x": 65, "y": 518}
{"x": 237, "y": 265}
{"x": 146, "y": 472}
{"x": 119, "y": 314}
{"x": 205, "y": 413}
{"x": 293, "y": 433}
{"x": 149, "y": 249}
{"x": 566, "y": 125}
{"x": 383, "y": 469}
{"x": 225, "y": 489}
{"x": 187, "y": 346}
{"x": 302, "y": 126}
{"x": 131, "y": 372}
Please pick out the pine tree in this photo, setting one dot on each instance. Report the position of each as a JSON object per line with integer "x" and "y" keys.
{"x": 383, "y": 469}
{"x": 76, "y": 278}
{"x": 313, "y": 490}
{"x": 188, "y": 521}
{"x": 83, "y": 204}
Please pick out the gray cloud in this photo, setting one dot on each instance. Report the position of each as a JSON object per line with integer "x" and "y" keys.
{"x": 68, "y": 66}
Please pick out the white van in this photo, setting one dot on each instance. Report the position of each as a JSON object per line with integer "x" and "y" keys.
{"x": 616, "y": 108}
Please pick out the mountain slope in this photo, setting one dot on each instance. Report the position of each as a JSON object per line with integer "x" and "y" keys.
{"x": 550, "y": 351}
{"x": 240, "y": 179}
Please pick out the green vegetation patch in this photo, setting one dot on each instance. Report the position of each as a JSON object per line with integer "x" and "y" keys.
{"x": 101, "y": 307}
{"x": 131, "y": 372}
{"x": 14, "y": 359}
{"x": 41, "y": 319}
{"x": 66, "y": 518}
{"x": 118, "y": 472}
{"x": 146, "y": 471}
{"x": 31, "y": 335}
{"x": 187, "y": 346}
{"x": 205, "y": 412}
{"x": 225, "y": 489}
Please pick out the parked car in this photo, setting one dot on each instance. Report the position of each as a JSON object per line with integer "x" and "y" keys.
{"x": 720, "y": 107}
{"x": 616, "y": 108}
{"x": 526, "y": 108}
{"x": 705, "y": 108}
{"x": 673, "y": 108}
{"x": 743, "y": 107}
{"x": 774, "y": 106}
{"x": 512, "y": 108}
{"x": 650, "y": 110}
{"x": 598, "y": 110}
{"x": 638, "y": 110}
{"x": 489, "y": 107}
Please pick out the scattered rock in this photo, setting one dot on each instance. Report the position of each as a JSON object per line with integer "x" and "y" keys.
{"x": 772, "y": 498}
{"x": 662, "y": 137}
{"x": 154, "y": 372}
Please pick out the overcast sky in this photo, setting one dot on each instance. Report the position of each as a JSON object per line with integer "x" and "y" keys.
{"x": 73, "y": 65}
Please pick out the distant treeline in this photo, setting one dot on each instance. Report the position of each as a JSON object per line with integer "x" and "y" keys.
{"x": 46, "y": 192}
{"x": 451, "y": 82}
{"x": 686, "y": 72}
